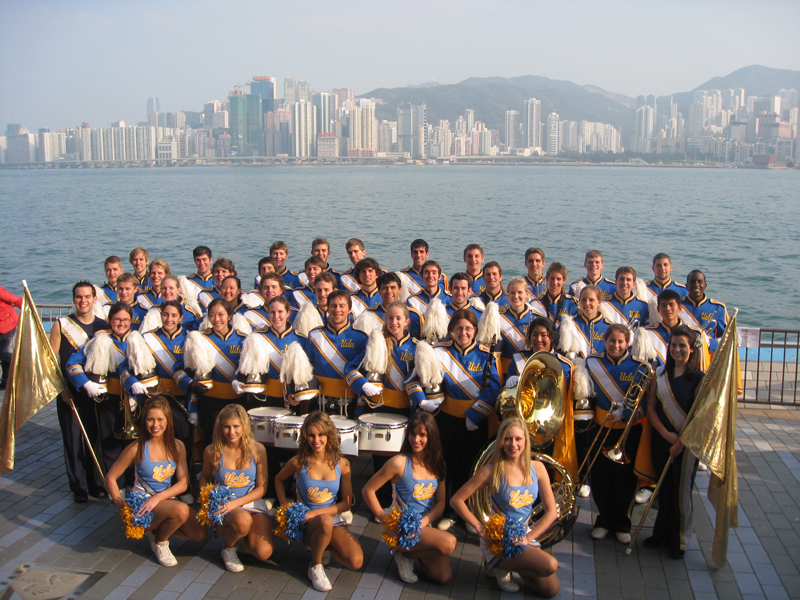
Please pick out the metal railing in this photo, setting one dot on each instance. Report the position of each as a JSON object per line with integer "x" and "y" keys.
{"x": 52, "y": 312}
{"x": 769, "y": 361}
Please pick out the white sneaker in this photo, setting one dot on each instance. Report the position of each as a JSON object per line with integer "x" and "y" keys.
{"x": 445, "y": 524}
{"x": 164, "y": 555}
{"x": 599, "y": 533}
{"x": 186, "y": 498}
{"x": 504, "y": 580}
{"x": 347, "y": 516}
{"x": 701, "y": 466}
{"x": 231, "y": 560}
{"x": 584, "y": 491}
{"x": 643, "y": 495}
{"x": 319, "y": 579}
{"x": 241, "y": 546}
{"x": 270, "y": 502}
{"x": 152, "y": 539}
{"x": 405, "y": 567}
{"x": 623, "y": 538}
{"x": 326, "y": 558}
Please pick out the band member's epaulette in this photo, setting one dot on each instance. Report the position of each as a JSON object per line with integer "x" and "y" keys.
{"x": 484, "y": 348}
{"x": 414, "y": 340}
{"x": 102, "y": 332}
{"x": 597, "y": 355}
{"x": 443, "y": 344}
{"x": 206, "y": 331}
{"x": 639, "y": 360}
{"x": 242, "y": 333}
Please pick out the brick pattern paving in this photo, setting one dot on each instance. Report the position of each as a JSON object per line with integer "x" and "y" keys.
{"x": 39, "y": 523}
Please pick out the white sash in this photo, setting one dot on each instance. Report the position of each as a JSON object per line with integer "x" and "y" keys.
{"x": 274, "y": 355}
{"x": 520, "y": 361}
{"x": 329, "y": 351}
{"x": 204, "y": 298}
{"x": 617, "y": 316}
{"x": 222, "y": 362}
{"x": 413, "y": 286}
{"x": 604, "y": 380}
{"x": 537, "y": 307}
{"x": 394, "y": 375}
{"x": 358, "y": 305}
{"x": 658, "y": 345}
{"x": 457, "y": 372}
{"x": 144, "y": 301}
{"x": 349, "y": 283}
{"x": 671, "y": 408}
{"x": 585, "y": 345}
{"x": 160, "y": 351}
{"x": 513, "y": 334}
{"x": 255, "y": 319}
{"x": 303, "y": 278}
{"x": 689, "y": 318}
{"x": 300, "y": 298}
{"x": 418, "y": 304}
{"x": 74, "y": 334}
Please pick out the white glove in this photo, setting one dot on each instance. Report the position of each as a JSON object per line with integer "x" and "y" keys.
{"x": 237, "y": 386}
{"x": 94, "y": 389}
{"x": 370, "y": 389}
{"x": 193, "y": 417}
{"x": 617, "y": 413}
{"x": 512, "y": 381}
{"x": 429, "y": 405}
{"x": 470, "y": 425}
{"x": 138, "y": 388}
{"x": 132, "y": 402}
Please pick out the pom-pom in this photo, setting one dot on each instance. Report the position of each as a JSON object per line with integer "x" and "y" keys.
{"x": 502, "y": 535}
{"x": 135, "y": 524}
{"x": 291, "y": 519}
{"x": 401, "y": 528}
{"x": 212, "y": 499}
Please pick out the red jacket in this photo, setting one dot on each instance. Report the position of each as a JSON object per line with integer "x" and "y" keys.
{"x": 8, "y": 316}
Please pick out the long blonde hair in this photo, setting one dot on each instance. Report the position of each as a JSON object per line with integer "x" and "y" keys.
{"x": 323, "y": 422}
{"x": 499, "y": 457}
{"x": 388, "y": 337}
{"x": 233, "y": 411}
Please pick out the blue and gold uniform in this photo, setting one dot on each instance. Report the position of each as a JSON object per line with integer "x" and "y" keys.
{"x": 259, "y": 317}
{"x": 701, "y": 314}
{"x": 302, "y": 278}
{"x": 659, "y": 338}
{"x": 591, "y": 334}
{"x": 202, "y": 283}
{"x": 290, "y": 278}
{"x": 418, "y": 494}
{"x": 412, "y": 280}
{"x": 656, "y": 288}
{"x": 476, "y": 283}
{"x": 348, "y": 281}
{"x": 206, "y": 296}
{"x": 500, "y": 298}
{"x": 417, "y": 319}
{"x": 514, "y": 332}
{"x": 144, "y": 282}
{"x": 110, "y": 293}
{"x": 613, "y": 484}
{"x": 150, "y": 298}
{"x": 153, "y": 477}
{"x": 452, "y": 308}
{"x": 300, "y": 296}
{"x": 557, "y": 307}
{"x": 421, "y": 300}
{"x": 329, "y": 351}
{"x": 399, "y": 392}
{"x": 278, "y": 342}
{"x": 536, "y": 287}
{"x": 604, "y": 284}
{"x": 627, "y": 311}
{"x": 362, "y": 300}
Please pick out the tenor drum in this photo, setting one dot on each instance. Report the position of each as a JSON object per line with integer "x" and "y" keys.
{"x": 287, "y": 430}
{"x": 381, "y": 432}
{"x": 348, "y": 435}
{"x": 262, "y": 420}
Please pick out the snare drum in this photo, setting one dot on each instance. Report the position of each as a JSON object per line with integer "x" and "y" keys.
{"x": 287, "y": 430}
{"x": 262, "y": 420}
{"x": 381, "y": 432}
{"x": 348, "y": 435}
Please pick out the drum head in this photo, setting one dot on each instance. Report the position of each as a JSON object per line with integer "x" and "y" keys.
{"x": 343, "y": 424}
{"x": 385, "y": 420}
{"x": 290, "y": 421}
{"x": 265, "y": 412}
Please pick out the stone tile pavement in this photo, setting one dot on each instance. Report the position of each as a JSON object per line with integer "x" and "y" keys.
{"x": 39, "y": 524}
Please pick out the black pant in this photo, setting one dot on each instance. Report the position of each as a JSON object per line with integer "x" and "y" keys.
{"x": 77, "y": 457}
{"x": 184, "y": 431}
{"x": 110, "y": 419}
{"x": 208, "y": 410}
{"x": 384, "y": 494}
{"x": 276, "y": 457}
{"x": 614, "y": 485}
{"x": 667, "y": 527}
{"x": 585, "y": 432}
{"x": 460, "y": 448}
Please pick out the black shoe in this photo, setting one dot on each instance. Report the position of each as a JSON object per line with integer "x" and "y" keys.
{"x": 80, "y": 497}
{"x": 98, "y": 493}
{"x": 676, "y": 553}
{"x": 653, "y": 542}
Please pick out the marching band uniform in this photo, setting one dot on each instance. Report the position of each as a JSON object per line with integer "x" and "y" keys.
{"x": 563, "y": 304}
{"x": 659, "y": 338}
{"x": 501, "y": 298}
{"x": 613, "y": 484}
{"x": 258, "y": 317}
{"x": 110, "y": 293}
{"x": 464, "y": 399}
{"x": 330, "y": 351}
{"x": 538, "y": 287}
{"x": 627, "y": 311}
{"x": 191, "y": 317}
{"x": 138, "y": 311}
{"x": 348, "y": 281}
{"x": 671, "y": 284}
{"x": 452, "y": 308}
{"x": 210, "y": 402}
{"x": 302, "y": 278}
{"x": 278, "y": 342}
{"x": 604, "y": 284}
{"x": 591, "y": 334}
{"x": 675, "y": 397}
{"x": 417, "y": 319}
{"x": 702, "y": 313}
{"x": 290, "y": 278}
{"x": 203, "y": 284}
{"x": 513, "y": 331}
{"x": 412, "y": 280}
{"x": 363, "y": 300}
{"x": 421, "y": 300}
{"x": 205, "y": 297}
{"x": 149, "y": 298}
{"x": 78, "y": 459}
{"x": 476, "y": 283}
{"x": 144, "y": 284}
{"x": 300, "y": 296}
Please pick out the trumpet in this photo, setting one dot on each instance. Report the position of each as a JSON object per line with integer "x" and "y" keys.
{"x": 128, "y": 431}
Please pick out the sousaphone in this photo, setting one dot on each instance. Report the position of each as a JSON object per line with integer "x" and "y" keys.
{"x": 538, "y": 400}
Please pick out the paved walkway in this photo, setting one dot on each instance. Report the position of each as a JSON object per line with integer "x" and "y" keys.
{"x": 40, "y": 525}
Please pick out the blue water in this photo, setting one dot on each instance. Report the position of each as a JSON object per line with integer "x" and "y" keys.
{"x": 739, "y": 226}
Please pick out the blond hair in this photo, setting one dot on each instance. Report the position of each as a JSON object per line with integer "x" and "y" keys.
{"x": 499, "y": 458}
{"x": 246, "y": 442}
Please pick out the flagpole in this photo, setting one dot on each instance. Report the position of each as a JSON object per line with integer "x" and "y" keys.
{"x": 86, "y": 437}
{"x": 649, "y": 505}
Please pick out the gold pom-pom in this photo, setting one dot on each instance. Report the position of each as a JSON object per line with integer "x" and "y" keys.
{"x": 390, "y": 523}
{"x": 494, "y": 534}
{"x": 205, "y": 494}
{"x": 131, "y": 531}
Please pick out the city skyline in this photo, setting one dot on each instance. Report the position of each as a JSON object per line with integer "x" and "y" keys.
{"x": 116, "y": 55}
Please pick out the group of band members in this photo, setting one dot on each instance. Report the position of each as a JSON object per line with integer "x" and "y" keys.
{"x": 599, "y": 330}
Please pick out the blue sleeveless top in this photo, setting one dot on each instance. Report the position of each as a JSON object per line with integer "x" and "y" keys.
{"x": 240, "y": 481}
{"x": 416, "y": 493}
{"x": 516, "y": 501}
{"x": 318, "y": 493}
{"x": 153, "y": 477}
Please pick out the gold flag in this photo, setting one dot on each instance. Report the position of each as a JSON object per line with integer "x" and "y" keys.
{"x": 35, "y": 380}
{"x": 710, "y": 432}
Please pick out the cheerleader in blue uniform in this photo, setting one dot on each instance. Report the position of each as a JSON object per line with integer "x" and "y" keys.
{"x": 417, "y": 477}
{"x": 235, "y": 460}
{"x": 515, "y": 482}
{"x": 158, "y": 458}
{"x": 322, "y": 474}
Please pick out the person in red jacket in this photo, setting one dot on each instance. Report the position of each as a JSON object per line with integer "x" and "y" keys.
{"x": 8, "y": 327}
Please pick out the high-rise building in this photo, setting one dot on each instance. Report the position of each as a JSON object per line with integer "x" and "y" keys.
{"x": 469, "y": 117}
{"x": 788, "y": 98}
{"x": 268, "y": 88}
{"x": 209, "y": 108}
{"x": 326, "y": 109}
{"x": 343, "y": 95}
{"x": 303, "y": 129}
{"x": 303, "y": 91}
{"x": 512, "y": 129}
{"x": 153, "y": 105}
{"x": 644, "y": 128}
{"x": 246, "y": 124}
{"x": 289, "y": 90}
{"x": 696, "y": 121}
{"x": 412, "y": 129}
{"x": 666, "y": 109}
{"x": 533, "y": 123}
{"x": 553, "y": 126}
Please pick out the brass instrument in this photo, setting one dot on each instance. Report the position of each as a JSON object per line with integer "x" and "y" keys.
{"x": 103, "y": 381}
{"x": 128, "y": 431}
{"x": 538, "y": 400}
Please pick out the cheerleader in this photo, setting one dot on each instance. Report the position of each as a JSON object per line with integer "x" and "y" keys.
{"x": 158, "y": 459}
{"x": 417, "y": 477}
{"x": 514, "y": 482}
{"x": 214, "y": 352}
{"x": 235, "y": 460}
{"x": 322, "y": 474}
{"x": 670, "y": 398}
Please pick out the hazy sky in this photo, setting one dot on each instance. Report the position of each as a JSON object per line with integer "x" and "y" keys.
{"x": 68, "y": 61}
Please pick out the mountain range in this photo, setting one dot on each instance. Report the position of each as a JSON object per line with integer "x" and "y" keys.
{"x": 491, "y": 97}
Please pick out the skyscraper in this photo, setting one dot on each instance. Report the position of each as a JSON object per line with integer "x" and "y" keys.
{"x": 553, "y": 134}
{"x": 512, "y": 129}
{"x": 325, "y": 102}
{"x": 153, "y": 105}
{"x": 303, "y": 91}
{"x": 289, "y": 90}
{"x": 407, "y": 129}
{"x": 304, "y": 126}
{"x": 469, "y": 116}
{"x": 267, "y": 87}
{"x": 533, "y": 122}
{"x": 246, "y": 124}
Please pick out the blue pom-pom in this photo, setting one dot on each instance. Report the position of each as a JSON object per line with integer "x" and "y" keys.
{"x": 136, "y": 500}
{"x": 220, "y": 495}
{"x": 513, "y": 531}
{"x": 408, "y": 528}
{"x": 296, "y": 521}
